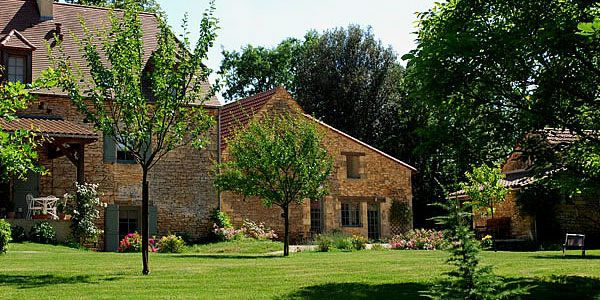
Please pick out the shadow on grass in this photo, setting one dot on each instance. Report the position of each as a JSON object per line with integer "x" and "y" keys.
{"x": 356, "y": 291}
{"x": 228, "y": 256}
{"x": 563, "y": 287}
{"x": 35, "y": 281}
{"x": 555, "y": 287}
{"x": 559, "y": 256}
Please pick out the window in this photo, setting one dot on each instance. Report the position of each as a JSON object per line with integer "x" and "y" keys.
{"x": 16, "y": 68}
{"x": 128, "y": 220}
{"x": 124, "y": 155}
{"x": 353, "y": 166}
{"x": 351, "y": 214}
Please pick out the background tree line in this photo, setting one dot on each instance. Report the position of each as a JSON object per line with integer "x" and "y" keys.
{"x": 482, "y": 76}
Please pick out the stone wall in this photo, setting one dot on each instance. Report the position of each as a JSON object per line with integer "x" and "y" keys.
{"x": 63, "y": 229}
{"x": 382, "y": 181}
{"x": 180, "y": 184}
{"x": 521, "y": 226}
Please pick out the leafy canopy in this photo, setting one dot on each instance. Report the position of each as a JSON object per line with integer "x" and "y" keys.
{"x": 484, "y": 187}
{"x": 278, "y": 158}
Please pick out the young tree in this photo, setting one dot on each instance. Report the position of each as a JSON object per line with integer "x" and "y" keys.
{"x": 281, "y": 160}
{"x": 151, "y": 107}
{"x": 484, "y": 188}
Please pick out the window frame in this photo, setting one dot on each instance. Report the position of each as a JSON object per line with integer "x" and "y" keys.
{"x": 352, "y": 208}
{"x": 353, "y": 165}
{"x": 26, "y": 54}
{"x": 122, "y": 148}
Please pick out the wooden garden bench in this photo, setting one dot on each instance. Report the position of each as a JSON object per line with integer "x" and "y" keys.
{"x": 574, "y": 240}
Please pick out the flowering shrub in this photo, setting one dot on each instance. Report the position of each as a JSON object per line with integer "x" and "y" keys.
{"x": 418, "y": 239}
{"x": 249, "y": 229}
{"x": 359, "y": 242}
{"x": 257, "y": 231}
{"x": 132, "y": 242}
{"x": 324, "y": 242}
{"x": 487, "y": 242}
{"x": 84, "y": 210}
{"x": 171, "y": 244}
{"x": 42, "y": 233}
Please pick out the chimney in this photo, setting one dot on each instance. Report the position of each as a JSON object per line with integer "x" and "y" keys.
{"x": 46, "y": 9}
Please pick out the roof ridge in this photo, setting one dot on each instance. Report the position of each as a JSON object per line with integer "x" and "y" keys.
{"x": 255, "y": 96}
{"x": 101, "y": 8}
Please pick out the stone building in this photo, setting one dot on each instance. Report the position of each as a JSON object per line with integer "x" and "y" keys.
{"x": 182, "y": 195}
{"x": 363, "y": 184}
{"x": 580, "y": 214}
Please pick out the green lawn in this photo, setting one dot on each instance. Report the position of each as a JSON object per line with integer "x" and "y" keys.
{"x": 31, "y": 271}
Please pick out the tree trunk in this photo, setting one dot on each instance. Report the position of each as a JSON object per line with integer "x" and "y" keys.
{"x": 286, "y": 234}
{"x": 145, "y": 228}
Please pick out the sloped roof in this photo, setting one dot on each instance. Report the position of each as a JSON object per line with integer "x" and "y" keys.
{"x": 15, "y": 39}
{"x": 237, "y": 115}
{"x": 51, "y": 127}
{"x": 23, "y": 17}
{"x": 512, "y": 180}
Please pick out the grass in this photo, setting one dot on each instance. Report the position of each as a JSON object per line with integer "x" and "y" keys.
{"x": 32, "y": 271}
{"x": 242, "y": 246}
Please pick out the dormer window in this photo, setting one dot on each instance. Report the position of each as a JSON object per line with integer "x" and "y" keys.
{"x": 16, "y": 52}
{"x": 16, "y": 68}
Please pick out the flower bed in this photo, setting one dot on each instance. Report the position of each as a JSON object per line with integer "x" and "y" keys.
{"x": 418, "y": 239}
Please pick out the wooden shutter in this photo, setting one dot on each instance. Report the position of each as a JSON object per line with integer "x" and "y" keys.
{"x": 111, "y": 228}
{"x": 152, "y": 224}
{"x": 110, "y": 149}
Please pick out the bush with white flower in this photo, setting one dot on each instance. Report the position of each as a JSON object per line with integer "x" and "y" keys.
{"x": 84, "y": 210}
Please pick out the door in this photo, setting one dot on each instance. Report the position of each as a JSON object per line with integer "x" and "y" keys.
{"x": 30, "y": 185}
{"x": 373, "y": 222}
{"x": 316, "y": 217}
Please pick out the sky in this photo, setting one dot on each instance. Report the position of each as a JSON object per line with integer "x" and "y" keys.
{"x": 268, "y": 22}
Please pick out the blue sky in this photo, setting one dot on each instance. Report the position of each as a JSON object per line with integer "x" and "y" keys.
{"x": 267, "y": 22}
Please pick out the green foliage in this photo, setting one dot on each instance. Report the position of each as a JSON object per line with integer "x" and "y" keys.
{"x": 5, "y": 235}
{"x": 279, "y": 159}
{"x": 18, "y": 149}
{"x": 400, "y": 213}
{"x": 85, "y": 213}
{"x": 18, "y": 234}
{"x": 324, "y": 242}
{"x": 149, "y": 102}
{"x": 171, "y": 244}
{"x": 43, "y": 233}
{"x": 145, "y": 5}
{"x": 484, "y": 188}
{"x": 359, "y": 242}
{"x": 221, "y": 219}
{"x": 258, "y": 69}
{"x": 467, "y": 279}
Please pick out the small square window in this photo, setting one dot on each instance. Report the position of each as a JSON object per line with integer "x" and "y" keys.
{"x": 123, "y": 154}
{"x": 351, "y": 214}
{"x": 353, "y": 166}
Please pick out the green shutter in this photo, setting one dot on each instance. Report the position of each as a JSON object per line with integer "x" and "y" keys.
{"x": 148, "y": 147}
{"x": 111, "y": 228}
{"x": 152, "y": 220}
{"x": 110, "y": 149}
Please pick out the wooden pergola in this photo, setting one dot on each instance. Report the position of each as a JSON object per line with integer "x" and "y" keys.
{"x": 61, "y": 138}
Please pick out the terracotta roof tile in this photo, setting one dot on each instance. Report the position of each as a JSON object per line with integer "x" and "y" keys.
{"x": 23, "y": 16}
{"x": 48, "y": 127}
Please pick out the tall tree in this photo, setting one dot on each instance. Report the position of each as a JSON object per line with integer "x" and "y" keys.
{"x": 151, "y": 107}
{"x": 492, "y": 71}
{"x": 279, "y": 159}
{"x": 257, "y": 69}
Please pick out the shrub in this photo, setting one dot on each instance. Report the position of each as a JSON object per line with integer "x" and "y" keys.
{"x": 85, "y": 212}
{"x": 324, "y": 242}
{"x": 487, "y": 242}
{"x": 43, "y": 233}
{"x": 227, "y": 234}
{"x": 18, "y": 234}
{"x": 343, "y": 243}
{"x": 418, "y": 239}
{"x": 257, "y": 231}
{"x": 5, "y": 235}
{"x": 359, "y": 242}
{"x": 171, "y": 244}
{"x": 132, "y": 242}
{"x": 221, "y": 219}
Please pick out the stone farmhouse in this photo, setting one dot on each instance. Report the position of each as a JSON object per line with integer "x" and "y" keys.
{"x": 579, "y": 214}
{"x": 182, "y": 196}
